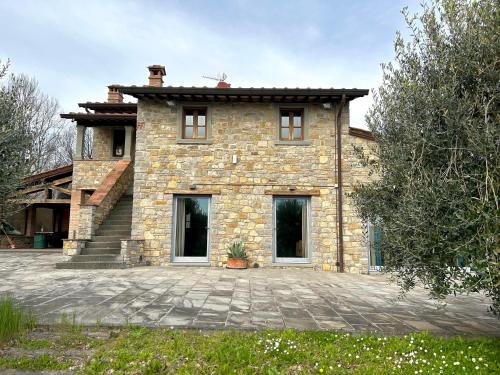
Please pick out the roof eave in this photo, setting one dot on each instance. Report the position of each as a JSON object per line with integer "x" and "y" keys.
{"x": 237, "y": 94}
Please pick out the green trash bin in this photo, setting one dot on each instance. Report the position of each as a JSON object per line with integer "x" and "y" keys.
{"x": 40, "y": 240}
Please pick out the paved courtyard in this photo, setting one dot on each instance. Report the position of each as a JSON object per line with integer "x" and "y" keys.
{"x": 199, "y": 297}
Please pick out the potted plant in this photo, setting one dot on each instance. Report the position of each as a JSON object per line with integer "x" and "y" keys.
{"x": 237, "y": 256}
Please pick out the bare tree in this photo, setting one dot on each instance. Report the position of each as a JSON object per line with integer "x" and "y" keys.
{"x": 66, "y": 144}
{"x": 15, "y": 140}
{"x": 40, "y": 114}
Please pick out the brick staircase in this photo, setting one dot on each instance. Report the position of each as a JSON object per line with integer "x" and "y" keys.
{"x": 103, "y": 251}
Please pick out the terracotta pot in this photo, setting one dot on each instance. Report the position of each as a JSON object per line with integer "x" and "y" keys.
{"x": 237, "y": 263}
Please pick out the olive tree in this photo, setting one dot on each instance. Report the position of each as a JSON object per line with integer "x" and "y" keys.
{"x": 436, "y": 120}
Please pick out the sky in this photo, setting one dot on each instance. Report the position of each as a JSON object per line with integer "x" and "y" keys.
{"x": 76, "y": 48}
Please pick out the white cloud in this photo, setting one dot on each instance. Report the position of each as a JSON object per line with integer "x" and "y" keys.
{"x": 76, "y": 48}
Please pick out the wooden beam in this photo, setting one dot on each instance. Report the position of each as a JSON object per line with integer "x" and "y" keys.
{"x": 293, "y": 192}
{"x": 62, "y": 190}
{"x": 194, "y": 192}
{"x": 47, "y": 185}
{"x": 33, "y": 189}
{"x": 44, "y": 201}
{"x": 62, "y": 181}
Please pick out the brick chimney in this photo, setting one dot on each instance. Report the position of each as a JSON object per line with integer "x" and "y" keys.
{"x": 114, "y": 96}
{"x": 223, "y": 85}
{"x": 156, "y": 74}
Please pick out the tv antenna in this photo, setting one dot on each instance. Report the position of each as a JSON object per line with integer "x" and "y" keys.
{"x": 221, "y": 77}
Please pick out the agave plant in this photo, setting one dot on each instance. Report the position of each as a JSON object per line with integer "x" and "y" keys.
{"x": 237, "y": 250}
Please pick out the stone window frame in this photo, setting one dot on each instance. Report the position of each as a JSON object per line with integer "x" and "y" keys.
{"x": 306, "y": 123}
{"x": 180, "y": 124}
{"x": 283, "y": 261}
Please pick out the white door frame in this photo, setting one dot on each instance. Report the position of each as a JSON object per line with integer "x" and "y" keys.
{"x": 179, "y": 259}
{"x": 308, "y": 257}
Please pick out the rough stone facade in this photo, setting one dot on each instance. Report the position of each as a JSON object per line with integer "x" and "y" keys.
{"x": 241, "y": 205}
{"x": 132, "y": 252}
{"x": 354, "y": 173}
{"x": 87, "y": 176}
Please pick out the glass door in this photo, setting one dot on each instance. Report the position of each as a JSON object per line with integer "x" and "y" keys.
{"x": 291, "y": 230}
{"x": 375, "y": 248}
{"x": 192, "y": 224}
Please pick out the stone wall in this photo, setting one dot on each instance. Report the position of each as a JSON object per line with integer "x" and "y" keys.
{"x": 93, "y": 212}
{"x": 240, "y": 208}
{"x": 102, "y": 144}
{"x": 87, "y": 175}
{"x": 132, "y": 252}
{"x": 354, "y": 173}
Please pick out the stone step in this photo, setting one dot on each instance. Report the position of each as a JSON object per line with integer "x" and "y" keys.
{"x": 118, "y": 216}
{"x": 101, "y": 251}
{"x": 91, "y": 265}
{"x": 111, "y": 231}
{"x": 114, "y": 228}
{"x": 96, "y": 258}
{"x": 118, "y": 221}
{"x": 123, "y": 233}
{"x": 110, "y": 238}
{"x": 121, "y": 211}
{"x": 103, "y": 244}
{"x": 106, "y": 228}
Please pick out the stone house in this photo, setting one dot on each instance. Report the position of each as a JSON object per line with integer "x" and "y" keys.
{"x": 187, "y": 171}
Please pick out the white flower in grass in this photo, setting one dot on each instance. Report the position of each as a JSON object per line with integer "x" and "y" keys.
{"x": 456, "y": 363}
{"x": 473, "y": 359}
{"x": 477, "y": 367}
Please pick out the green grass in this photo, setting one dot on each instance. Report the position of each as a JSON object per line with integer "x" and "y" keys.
{"x": 167, "y": 351}
{"x": 40, "y": 363}
{"x": 14, "y": 320}
{"x": 276, "y": 352}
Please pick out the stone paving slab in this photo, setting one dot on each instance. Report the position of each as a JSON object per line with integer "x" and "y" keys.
{"x": 208, "y": 298}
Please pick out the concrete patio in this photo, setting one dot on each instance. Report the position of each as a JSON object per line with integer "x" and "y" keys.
{"x": 200, "y": 297}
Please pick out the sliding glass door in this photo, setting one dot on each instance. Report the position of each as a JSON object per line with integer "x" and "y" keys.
{"x": 191, "y": 233}
{"x": 291, "y": 229}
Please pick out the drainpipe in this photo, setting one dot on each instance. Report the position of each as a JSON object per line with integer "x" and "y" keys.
{"x": 340, "y": 219}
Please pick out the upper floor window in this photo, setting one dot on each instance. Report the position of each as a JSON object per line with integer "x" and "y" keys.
{"x": 118, "y": 142}
{"x": 292, "y": 124}
{"x": 194, "y": 123}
